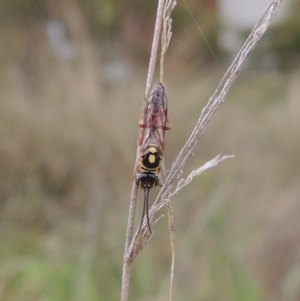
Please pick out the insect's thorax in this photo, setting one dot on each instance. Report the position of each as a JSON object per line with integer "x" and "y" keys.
{"x": 151, "y": 159}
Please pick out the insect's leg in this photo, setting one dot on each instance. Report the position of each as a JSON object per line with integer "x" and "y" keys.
{"x": 136, "y": 171}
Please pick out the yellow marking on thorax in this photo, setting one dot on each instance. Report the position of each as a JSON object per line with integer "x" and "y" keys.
{"x": 151, "y": 159}
{"x": 152, "y": 150}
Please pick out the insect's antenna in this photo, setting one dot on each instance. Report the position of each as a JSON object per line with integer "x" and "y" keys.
{"x": 145, "y": 208}
{"x": 146, "y": 197}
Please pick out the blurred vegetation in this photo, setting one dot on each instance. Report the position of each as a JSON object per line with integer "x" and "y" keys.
{"x": 72, "y": 79}
{"x": 286, "y": 39}
{"x": 280, "y": 49}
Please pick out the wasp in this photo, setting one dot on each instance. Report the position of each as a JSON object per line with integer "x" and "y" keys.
{"x": 153, "y": 124}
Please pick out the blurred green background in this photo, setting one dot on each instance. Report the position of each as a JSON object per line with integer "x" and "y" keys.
{"x": 72, "y": 80}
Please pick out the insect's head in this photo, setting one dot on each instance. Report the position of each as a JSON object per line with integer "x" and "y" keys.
{"x": 147, "y": 180}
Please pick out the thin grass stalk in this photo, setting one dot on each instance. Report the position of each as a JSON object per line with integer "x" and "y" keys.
{"x": 155, "y": 45}
{"x": 172, "y": 242}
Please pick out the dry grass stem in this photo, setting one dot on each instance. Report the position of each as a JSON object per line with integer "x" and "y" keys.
{"x": 155, "y": 45}
{"x": 166, "y": 33}
{"x": 212, "y": 163}
{"x": 140, "y": 239}
{"x": 165, "y": 41}
{"x": 172, "y": 241}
